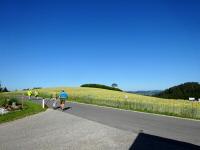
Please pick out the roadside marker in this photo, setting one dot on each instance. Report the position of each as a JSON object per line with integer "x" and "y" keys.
{"x": 42, "y": 103}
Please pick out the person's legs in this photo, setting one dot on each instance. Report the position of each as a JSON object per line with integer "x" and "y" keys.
{"x": 62, "y": 104}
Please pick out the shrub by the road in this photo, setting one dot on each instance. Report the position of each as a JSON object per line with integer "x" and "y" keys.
{"x": 30, "y": 108}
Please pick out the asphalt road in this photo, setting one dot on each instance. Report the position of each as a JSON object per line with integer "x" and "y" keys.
{"x": 82, "y": 126}
{"x": 55, "y": 130}
{"x": 172, "y": 128}
{"x": 165, "y": 127}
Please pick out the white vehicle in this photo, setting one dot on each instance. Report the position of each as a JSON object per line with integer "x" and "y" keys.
{"x": 191, "y": 99}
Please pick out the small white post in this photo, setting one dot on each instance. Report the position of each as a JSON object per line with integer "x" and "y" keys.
{"x": 42, "y": 103}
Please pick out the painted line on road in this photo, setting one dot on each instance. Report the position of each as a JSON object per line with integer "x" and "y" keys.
{"x": 137, "y": 111}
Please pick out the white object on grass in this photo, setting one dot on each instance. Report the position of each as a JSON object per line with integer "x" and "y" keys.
{"x": 191, "y": 98}
{"x": 42, "y": 103}
{"x": 3, "y": 111}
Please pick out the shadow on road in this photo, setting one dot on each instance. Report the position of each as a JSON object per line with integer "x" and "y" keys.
{"x": 67, "y": 108}
{"x": 150, "y": 142}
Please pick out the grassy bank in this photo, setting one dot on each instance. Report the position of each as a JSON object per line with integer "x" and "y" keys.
{"x": 30, "y": 108}
{"x": 180, "y": 108}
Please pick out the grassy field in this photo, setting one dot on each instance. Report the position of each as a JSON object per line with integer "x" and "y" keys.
{"x": 30, "y": 108}
{"x": 128, "y": 101}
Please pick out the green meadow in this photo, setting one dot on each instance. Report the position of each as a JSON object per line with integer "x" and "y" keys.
{"x": 122, "y": 100}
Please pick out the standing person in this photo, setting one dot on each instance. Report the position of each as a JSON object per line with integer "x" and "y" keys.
{"x": 36, "y": 93}
{"x": 29, "y": 94}
{"x": 63, "y": 97}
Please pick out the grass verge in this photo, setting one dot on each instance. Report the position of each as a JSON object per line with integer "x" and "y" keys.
{"x": 30, "y": 108}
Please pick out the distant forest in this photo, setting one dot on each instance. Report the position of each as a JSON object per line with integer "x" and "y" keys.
{"x": 183, "y": 91}
{"x": 101, "y": 87}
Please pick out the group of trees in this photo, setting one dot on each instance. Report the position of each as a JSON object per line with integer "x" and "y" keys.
{"x": 35, "y": 88}
{"x": 3, "y": 89}
{"x": 183, "y": 91}
{"x": 112, "y": 87}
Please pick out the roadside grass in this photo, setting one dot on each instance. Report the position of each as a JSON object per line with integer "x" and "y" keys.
{"x": 122, "y": 100}
{"x": 30, "y": 108}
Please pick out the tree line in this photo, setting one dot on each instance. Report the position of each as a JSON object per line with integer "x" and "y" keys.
{"x": 3, "y": 89}
{"x": 182, "y": 91}
{"x": 101, "y": 86}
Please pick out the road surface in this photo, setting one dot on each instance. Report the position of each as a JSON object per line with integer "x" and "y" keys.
{"x": 55, "y": 130}
{"x": 93, "y": 127}
{"x": 168, "y": 127}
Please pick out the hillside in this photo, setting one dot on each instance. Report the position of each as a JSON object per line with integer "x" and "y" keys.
{"x": 101, "y": 86}
{"x": 183, "y": 91}
{"x": 147, "y": 93}
{"x": 123, "y": 100}
{"x": 92, "y": 93}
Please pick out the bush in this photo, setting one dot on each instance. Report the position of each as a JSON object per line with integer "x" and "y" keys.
{"x": 29, "y": 109}
{"x": 13, "y": 100}
{"x": 35, "y": 88}
{"x": 3, "y": 89}
{"x": 3, "y": 101}
{"x": 101, "y": 87}
{"x": 25, "y": 89}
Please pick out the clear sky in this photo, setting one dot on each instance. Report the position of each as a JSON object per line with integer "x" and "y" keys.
{"x": 140, "y": 45}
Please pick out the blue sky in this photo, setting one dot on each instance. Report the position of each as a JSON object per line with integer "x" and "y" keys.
{"x": 141, "y": 45}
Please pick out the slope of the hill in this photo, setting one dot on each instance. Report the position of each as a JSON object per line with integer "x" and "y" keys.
{"x": 183, "y": 91}
{"x": 124, "y": 100}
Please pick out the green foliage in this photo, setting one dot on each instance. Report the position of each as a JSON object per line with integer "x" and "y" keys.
{"x": 183, "y": 91}
{"x": 123, "y": 100}
{"x": 101, "y": 87}
{"x": 30, "y": 108}
{"x": 3, "y": 101}
{"x": 25, "y": 89}
{"x": 8, "y": 100}
{"x": 3, "y": 89}
{"x": 13, "y": 100}
{"x": 45, "y": 95}
{"x": 114, "y": 85}
{"x": 35, "y": 88}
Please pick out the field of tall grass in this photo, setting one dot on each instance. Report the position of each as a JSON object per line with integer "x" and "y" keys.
{"x": 122, "y": 100}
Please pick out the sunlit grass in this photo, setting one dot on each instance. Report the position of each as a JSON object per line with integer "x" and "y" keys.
{"x": 181, "y": 108}
{"x": 30, "y": 108}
